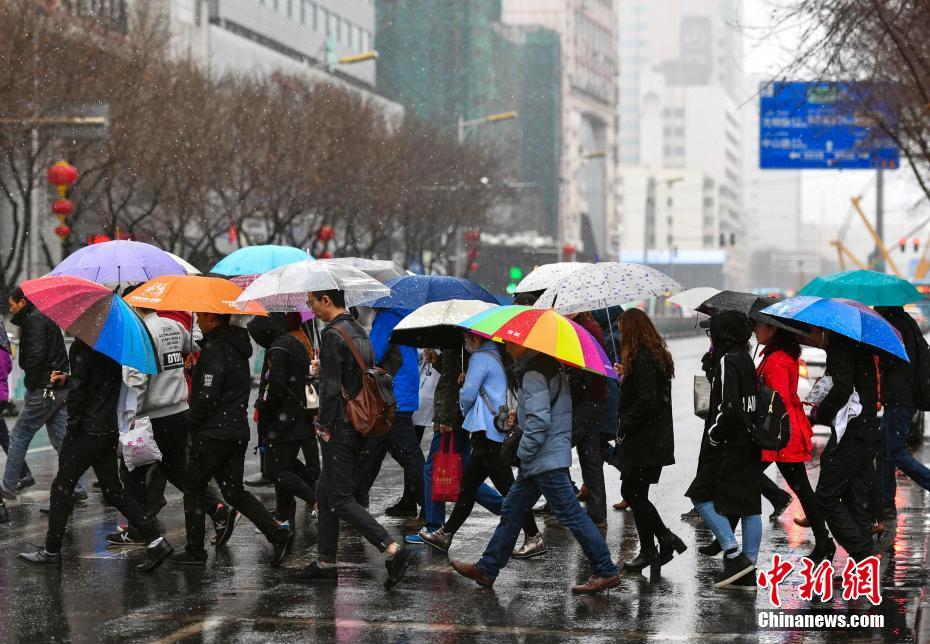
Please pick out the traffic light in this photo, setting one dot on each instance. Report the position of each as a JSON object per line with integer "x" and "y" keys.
{"x": 516, "y": 273}
{"x": 511, "y": 288}
{"x": 902, "y": 244}
{"x": 916, "y": 243}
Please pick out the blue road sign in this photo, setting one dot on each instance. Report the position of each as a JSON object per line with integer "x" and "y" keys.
{"x": 823, "y": 126}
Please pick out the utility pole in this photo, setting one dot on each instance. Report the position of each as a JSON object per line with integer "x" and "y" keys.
{"x": 880, "y": 220}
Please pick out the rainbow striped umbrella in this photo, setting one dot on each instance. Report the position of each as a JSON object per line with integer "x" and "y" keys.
{"x": 545, "y": 331}
{"x": 95, "y": 315}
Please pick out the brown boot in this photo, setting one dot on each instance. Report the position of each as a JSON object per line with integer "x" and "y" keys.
{"x": 471, "y": 571}
{"x": 620, "y": 507}
{"x": 596, "y": 585}
{"x": 582, "y": 495}
{"x": 803, "y": 522}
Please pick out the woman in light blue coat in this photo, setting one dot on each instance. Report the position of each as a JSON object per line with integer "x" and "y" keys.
{"x": 483, "y": 393}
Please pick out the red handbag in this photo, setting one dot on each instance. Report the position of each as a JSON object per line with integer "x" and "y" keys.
{"x": 447, "y": 471}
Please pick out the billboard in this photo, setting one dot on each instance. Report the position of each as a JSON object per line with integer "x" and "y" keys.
{"x": 823, "y": 126}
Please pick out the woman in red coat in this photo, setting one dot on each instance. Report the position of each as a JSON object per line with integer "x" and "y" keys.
{"x": 779, "y": 371}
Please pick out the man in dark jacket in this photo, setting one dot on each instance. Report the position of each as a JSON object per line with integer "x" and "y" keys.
{"x": 401, "y": 442}
{"x": 341, "y": 378}
{"x": 92, "y": 441}
{"x": 847, "y": 465}
{"x": 899, "y": 407}
{"x": 220, "y": 434}
{"x": 41, "y": 351}
{"x": 283, "y": 422}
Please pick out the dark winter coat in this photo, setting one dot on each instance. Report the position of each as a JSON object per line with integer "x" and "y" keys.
{"x": 93, "y": 392}
{"x": 222, "y": 383}
{"x": 647, "y": 437}
{"x": 897, "y": 375}
{"x": 281, "y": 402}
{"x": 41, "y": 347}
{"x": 852, "y": 366}
{"x": 728, "y": 469}
{"x": 446, "y": 408}
{"x": 339, "y": 370}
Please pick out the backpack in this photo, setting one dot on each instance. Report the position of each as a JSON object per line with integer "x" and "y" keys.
{"x": 371, "y": 412}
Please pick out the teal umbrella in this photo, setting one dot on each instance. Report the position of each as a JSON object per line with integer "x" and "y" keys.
{"x": 868, "y": 287}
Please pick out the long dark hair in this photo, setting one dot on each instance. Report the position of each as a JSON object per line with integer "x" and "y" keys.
{"x": 637, "y": 330}
{"x": 784, "y": 341}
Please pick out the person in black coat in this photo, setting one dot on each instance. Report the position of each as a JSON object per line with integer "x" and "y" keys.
{"x": 283, "y": 420}
{"x": 727, "y": 481}
{"x": 646, "y": 441}
{"x": 898, "y": 378}
{"x": 91, "y": 442}
{"x": 220, "y": 435}
{"x": 847, "y": 465}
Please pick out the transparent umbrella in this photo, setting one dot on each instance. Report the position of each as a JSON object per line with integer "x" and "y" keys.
{"x": 286, "y": 288}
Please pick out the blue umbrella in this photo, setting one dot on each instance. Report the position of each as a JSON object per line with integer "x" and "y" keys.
{"x": 255, "y": 260}
{"x": 846, "y": 317}
{"x": 413, "y": 291}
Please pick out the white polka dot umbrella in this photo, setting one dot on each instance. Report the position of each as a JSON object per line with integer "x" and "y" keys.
{"x": 606, "y": 284}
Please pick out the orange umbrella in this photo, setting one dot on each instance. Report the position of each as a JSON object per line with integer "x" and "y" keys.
{"x": 191, "y": 293}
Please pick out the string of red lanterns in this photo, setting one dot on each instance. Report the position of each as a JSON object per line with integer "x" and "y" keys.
{"x": 62, "y": 175}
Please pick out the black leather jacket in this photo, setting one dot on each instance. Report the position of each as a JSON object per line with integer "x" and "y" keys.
{"x": 41, "y": 347}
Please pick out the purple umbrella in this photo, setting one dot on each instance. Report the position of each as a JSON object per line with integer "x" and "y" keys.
{"x": 119, "y": 261}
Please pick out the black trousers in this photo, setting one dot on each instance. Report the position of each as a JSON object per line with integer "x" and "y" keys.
{"x": 310, "y": 449}
{"x": 771, "y": 492}
{"x": 334, "y": 494}
{"x": 79, "y": 452}
{"x": 291, "y": 479}
{"x": 171, "y": 436}
{"x": 843, "y": 493}
{"x": 401, "y": 443}
{"x": 485, "y": 462}
{"x": 587, "y": 418}
{"x": 223, "y": 460}
{"x": 649, "y": 525}
{"x": 795, "y": 475}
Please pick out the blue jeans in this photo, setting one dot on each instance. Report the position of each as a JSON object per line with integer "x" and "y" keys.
{"x": 435, "y": 513}
{"x": 896, "y": 425}
{"x": 556, "y": 486}
{"x": 720, "y": 526}
{"x": 34, "y": 414}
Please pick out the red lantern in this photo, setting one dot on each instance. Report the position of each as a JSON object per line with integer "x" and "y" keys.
{"x": 473, "y": 253}
{"x": 472, "y": 236}
{"x": 327, "y": 233}
{"x": 97, "y": 239}
{"x": 473, "y": 267}
{"x": 63, "y": 207}
{"x": 325, "y": 255}
{"x": 62, "y": 231}
{"x": 568, "y": 250}
{"x": 62, "y": 173}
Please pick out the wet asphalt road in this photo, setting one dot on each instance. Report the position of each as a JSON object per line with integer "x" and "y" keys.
{"x": 100, "y": 597}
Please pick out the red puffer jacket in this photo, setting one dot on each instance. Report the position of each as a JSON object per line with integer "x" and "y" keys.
{"x": 779, "y": 371}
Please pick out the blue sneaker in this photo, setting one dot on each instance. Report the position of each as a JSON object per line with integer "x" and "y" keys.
{"x": 413, "y": 538}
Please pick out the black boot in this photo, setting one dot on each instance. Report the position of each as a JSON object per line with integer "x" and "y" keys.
{"x": 668, "y": 546}
{"x": 41, "y": 557}
{"x": 644, "y": 559}
{"x": 4, "y": 513}
{"x": 155, "y": 555}
{"x": 823, "y": 551}
{"x": 712, "y": 549}
{"x": 314, "y": 574}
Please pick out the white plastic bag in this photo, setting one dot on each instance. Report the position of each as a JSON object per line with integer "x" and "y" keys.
{"x": 850, "y": 410}
{"x": 138, "y": 445}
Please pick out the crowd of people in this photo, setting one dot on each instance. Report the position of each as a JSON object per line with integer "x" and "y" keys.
{"x": 473, "y": 398}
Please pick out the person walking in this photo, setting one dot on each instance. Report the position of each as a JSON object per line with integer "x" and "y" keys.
{"x": 483, "y": 393}
{"x": 401, "y": 442}
{"x": 341, "y": 379}
{"x": 779, "y": 370}
{"x": 544, "y": 411}
{"x": 220, "y": 432}
{"x": 847, "y": 462}
{"x": 41, "y": 351}
{"x": 91, "y": 442}
{"x": 163, "y": 398}
{"x": 646, "y": 442}
{"x": 448, "y": 419}
{"x": 6, "y": 366}
{"x": 897, "y": 395}
{"x": 727, "y": 480}
{"x": 283, "y": 422}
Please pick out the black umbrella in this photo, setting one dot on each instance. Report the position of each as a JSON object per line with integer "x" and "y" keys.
{"x": 750, "y": 304}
